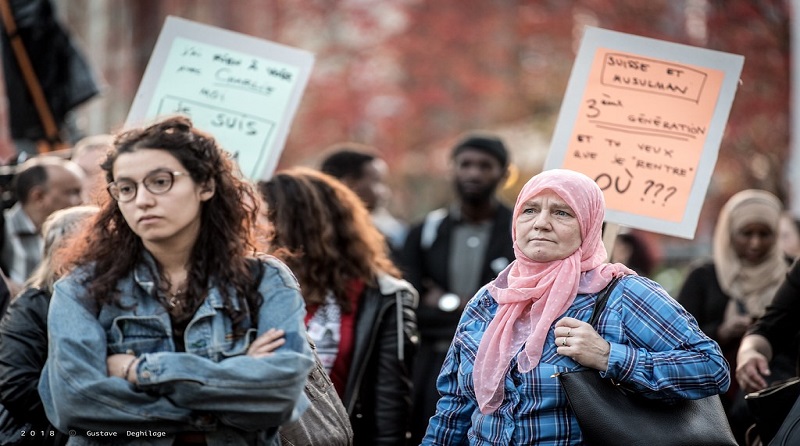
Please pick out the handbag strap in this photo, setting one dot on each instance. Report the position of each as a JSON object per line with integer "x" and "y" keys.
{"x": 600, "y": 303}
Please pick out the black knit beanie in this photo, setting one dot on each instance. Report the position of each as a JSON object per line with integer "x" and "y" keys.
{"x": 490, "y": 144}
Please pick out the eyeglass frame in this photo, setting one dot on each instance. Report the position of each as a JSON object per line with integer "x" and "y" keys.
{"x": 172, "y": 174}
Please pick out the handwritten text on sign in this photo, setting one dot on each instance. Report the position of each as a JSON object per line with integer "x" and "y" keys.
{"x": 242, "y": 90}
{"x": 237, "y": 97}
{"x": 641, "y": 129}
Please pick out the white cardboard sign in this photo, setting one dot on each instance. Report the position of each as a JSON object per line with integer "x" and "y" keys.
{"x": 241, "y": 89}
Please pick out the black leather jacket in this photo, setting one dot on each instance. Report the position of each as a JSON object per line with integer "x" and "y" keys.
{"x": 378, "y": 392}
{"x": 23, "y": 352}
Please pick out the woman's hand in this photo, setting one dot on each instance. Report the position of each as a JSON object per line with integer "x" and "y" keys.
{"x": 121, "y": 365}
{"x": 751, "y": 369}
{"x": 267, "y": 343}
{"x": 578, "y": 340}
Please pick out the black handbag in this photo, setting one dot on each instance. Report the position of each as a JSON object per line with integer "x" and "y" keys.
{"x": 770, "y": 406}
{"x": 610, "y": 414}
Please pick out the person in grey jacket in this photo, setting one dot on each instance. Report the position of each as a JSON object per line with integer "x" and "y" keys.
{"x": 360, "y": 312}
{"x": 164, "y": 331}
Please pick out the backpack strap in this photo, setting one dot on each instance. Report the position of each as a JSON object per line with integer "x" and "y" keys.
{"x": 430, "y": 227}
{"x": 257, "y": 270}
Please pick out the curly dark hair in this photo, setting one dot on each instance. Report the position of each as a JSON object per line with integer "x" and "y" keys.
{"x": 322, "y": 230}
{"x": 227, "y": 221}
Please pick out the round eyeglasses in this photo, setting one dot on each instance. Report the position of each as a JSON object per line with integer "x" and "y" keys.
{"x": 157, "y": 183}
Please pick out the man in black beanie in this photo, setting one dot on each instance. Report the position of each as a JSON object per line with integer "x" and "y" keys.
{"x": 451, "y": 254}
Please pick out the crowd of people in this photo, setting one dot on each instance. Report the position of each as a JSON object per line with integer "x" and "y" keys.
{"x": 152, "y": 294}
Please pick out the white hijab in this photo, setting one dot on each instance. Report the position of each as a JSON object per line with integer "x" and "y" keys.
{"x": 750, "y": 285}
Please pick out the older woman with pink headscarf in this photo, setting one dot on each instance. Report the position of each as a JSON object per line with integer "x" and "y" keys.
{"x": 497, "y": 385}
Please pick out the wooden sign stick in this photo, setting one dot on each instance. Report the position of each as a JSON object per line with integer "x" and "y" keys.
{"x": 610, "y": 232}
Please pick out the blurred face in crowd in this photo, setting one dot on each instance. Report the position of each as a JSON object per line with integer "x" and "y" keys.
{"x": 371, "y": 187}
{"x": 547, "y": 228}
{"x": 753, "y": 241}
{"x": 158, "y": 198}
{"x": 63, "y": 189}
{"x": 477, "y": 175}
{"x": 89, "y": 158}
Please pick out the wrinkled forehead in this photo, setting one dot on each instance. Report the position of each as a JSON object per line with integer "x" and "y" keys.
{"x": 549, "y": 194}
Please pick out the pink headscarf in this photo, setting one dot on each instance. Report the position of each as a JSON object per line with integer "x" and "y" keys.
{"x": 532, "y": 295}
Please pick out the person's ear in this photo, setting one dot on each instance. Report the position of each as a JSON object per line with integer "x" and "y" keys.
{"x": 36, "y": 194}
{"x": 207, "y": 190}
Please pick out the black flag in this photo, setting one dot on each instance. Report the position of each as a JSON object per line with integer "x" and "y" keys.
{"x": 64, "y": 75}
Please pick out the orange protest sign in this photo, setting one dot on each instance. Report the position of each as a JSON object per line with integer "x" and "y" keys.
{"x": 641, "y": 131}
{"x": 645, "y": 121}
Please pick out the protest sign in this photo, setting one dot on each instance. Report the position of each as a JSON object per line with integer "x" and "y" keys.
{"x": 644, "y": 118}
{"x": 242, "y": 90}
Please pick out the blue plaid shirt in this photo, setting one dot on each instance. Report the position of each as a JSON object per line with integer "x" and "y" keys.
{"x": 656, "y": 348}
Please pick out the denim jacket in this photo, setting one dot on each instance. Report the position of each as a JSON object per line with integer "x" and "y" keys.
{"x": 213, "y": 388}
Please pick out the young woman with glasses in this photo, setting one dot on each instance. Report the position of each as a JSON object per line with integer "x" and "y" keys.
{"x": 167, "y": 330}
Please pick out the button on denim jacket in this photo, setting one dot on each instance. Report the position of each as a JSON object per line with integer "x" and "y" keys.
{"x": 213, "y": 387}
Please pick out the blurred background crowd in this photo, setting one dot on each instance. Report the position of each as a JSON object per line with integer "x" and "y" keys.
{"x": 409, "y": 77}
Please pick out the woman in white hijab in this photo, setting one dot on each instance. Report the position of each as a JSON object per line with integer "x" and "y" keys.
{"x": 728, "y": 292}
